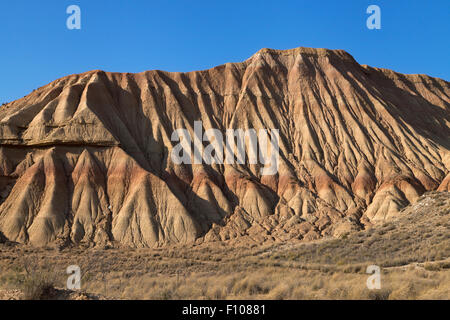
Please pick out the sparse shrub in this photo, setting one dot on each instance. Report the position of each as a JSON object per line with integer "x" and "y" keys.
{"x": 432, "y": 267}
{"x": 216, "y": 293}
{"x": 37, "y": 283}
{"x": 251, "y": 285}
{"x": 317, "y": 284}
{"x": 380, "y": 294}
{"x": 280, "y": 292}
{"x": 406, "y": 291}
{"x": 340, "y": 292}
{"x": 38, "y": 287}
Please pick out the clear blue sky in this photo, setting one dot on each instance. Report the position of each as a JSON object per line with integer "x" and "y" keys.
{"x": 137, "y": 35}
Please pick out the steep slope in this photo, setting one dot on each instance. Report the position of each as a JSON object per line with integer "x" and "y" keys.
{"x": 87, "y": 158}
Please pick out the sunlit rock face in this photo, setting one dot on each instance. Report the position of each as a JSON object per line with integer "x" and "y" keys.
{"x": 87, "y": 158}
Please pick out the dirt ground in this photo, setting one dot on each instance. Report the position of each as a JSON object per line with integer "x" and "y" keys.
{"x": 412, "y": 252}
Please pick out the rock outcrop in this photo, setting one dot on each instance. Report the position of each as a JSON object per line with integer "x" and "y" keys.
{"x": 87, "y": 158}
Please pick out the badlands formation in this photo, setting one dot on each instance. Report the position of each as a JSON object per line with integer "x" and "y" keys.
{"x": 87, "y": 160}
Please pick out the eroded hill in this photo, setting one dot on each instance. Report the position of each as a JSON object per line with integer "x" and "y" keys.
{"x": 86, "y": 159}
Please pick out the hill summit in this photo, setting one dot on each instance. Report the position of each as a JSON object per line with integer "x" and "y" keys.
{"x": 87, "y": 159}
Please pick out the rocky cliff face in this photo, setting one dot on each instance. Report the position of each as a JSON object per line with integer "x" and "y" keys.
{"x": 86, "y": 159}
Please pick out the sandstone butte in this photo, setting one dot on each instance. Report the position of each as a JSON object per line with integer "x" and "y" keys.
{"x": 86, "y": 158}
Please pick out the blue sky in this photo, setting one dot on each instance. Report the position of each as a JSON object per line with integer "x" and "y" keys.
{"x": 137, "y": 35}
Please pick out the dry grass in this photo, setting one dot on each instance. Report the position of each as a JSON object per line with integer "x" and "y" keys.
{"x": 413, "y": 252}
{"x": 35, "y": 280}
{"x": 272, "y": 283}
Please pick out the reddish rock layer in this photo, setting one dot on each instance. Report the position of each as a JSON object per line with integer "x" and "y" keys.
{"x": 86, "y": 159}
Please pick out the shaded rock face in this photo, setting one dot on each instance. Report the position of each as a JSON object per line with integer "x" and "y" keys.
{"x": 87, "y": 158}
